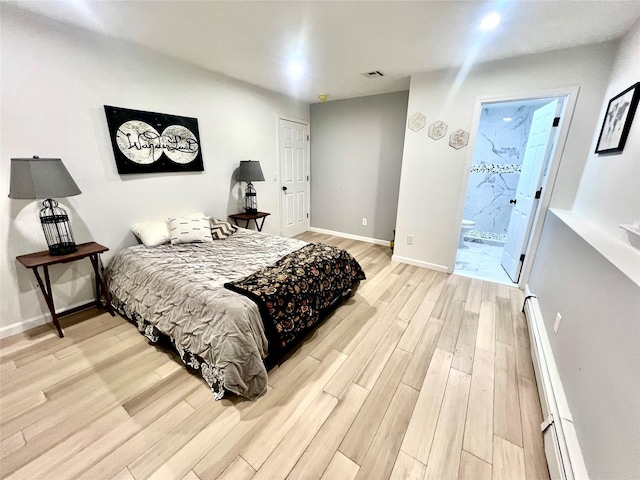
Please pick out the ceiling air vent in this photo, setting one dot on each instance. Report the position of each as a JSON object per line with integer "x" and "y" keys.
{"x": 373, "y": 74}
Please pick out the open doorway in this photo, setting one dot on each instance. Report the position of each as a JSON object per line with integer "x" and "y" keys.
{"x": 513, "y": 148}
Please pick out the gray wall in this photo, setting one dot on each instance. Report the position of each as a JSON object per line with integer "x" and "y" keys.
{"x": 597, "y": 347}
{"x": 356, "y": 154}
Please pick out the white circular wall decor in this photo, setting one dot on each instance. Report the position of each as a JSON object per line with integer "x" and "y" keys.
{"x": 417, "y": 121}
{"x": 459, "y": 139}
{"x": 437, "y": 130}
{"x": 179, "y": 144}
{"x": 139, "y": 142}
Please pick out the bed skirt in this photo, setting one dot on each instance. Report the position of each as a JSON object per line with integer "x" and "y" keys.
{"x": 194, "y": 363}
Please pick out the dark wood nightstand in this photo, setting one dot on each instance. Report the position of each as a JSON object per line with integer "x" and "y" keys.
{"x": 43, "y": 259}
{"x": 247, "y": 217}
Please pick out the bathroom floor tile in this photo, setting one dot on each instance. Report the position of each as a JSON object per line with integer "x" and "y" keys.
{"x": 481, "y": 261}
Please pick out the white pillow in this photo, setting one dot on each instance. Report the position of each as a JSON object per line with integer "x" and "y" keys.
{"x": 190, "y": 230}
{"x": 152, "y": 234}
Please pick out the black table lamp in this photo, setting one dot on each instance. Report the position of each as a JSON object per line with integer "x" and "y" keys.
{"x": 34, "y": 178}
{"x": 250, "y": 171}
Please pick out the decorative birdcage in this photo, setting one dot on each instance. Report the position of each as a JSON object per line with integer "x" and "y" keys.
{"x": 57, "y": 229}
{"x": 250, "y": 199}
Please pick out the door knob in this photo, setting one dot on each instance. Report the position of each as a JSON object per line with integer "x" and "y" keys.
{"x": 284, "y": 188}
{"x": 513, "y": 200}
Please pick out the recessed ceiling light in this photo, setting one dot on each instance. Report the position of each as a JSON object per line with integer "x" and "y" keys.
{"x": 295, "y": 69}
{"x": 490, "y": 21}
{"x": 507, "y": 119}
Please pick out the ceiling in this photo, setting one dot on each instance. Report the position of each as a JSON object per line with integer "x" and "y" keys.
{"x": 334, "y": 42}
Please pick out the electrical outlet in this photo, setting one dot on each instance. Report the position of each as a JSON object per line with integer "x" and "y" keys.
{"x": 410, "y": 239}
{"x": 556, "y": 324}
{"x": 364, "y": 221}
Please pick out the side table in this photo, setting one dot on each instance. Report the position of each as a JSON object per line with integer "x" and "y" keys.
{"x": 43, "y": 259}
{"x": 247, "y": 217}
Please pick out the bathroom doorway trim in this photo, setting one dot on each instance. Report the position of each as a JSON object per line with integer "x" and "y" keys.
{"x": 570, "y": 95}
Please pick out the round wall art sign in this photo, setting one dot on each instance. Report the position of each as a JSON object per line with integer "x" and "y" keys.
{"x": 139, "y": 142}
{"x": 417, "y": 121}
{"x": 146, "y": 142}
{"x": 179, "y": 144}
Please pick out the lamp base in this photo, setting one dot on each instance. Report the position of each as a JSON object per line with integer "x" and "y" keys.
{"x": 57, "y": 230}
{"x": 62, "y": 248}
{"x": 251, "y": 211}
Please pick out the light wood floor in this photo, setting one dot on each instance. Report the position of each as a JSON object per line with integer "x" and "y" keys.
{"x": 420, "y": 375}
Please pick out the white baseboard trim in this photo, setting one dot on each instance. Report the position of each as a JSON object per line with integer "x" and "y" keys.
{"x": 419, "y": 263}
{"x": 562, "y": 449}
{"x": 19, "y": 327}
{"x": 350, "y": 236}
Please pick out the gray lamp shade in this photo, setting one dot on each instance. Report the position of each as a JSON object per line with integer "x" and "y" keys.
{"x": 250, "y": 171}
{"x": 40, "y": 178}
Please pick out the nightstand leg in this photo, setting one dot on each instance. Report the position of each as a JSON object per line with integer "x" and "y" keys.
{"x": 48, "y": 296}
{"x": 101, "y": 287}
{"x": 95, "y": 280}
{"x": 259, "y": 227}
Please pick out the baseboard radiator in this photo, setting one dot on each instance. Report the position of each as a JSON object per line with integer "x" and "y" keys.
{"x": 562, "y": 449}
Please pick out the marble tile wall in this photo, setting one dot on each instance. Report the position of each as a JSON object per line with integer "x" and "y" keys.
{"x": 499, "y": 150}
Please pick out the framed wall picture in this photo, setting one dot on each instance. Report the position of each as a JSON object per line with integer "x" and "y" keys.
{"x": 617, "y": 120}
{"x": 147, "y": 142}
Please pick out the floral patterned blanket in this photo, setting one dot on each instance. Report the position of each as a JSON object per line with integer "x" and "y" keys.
{"x": 293, "y": 293}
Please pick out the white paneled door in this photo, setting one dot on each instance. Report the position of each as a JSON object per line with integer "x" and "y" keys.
{"x": 293, "y": 142}
{"x": 535, "y": 156}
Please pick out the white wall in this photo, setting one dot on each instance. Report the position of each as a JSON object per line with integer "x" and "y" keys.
{"x": 356, "y": 152}
{"x": 597, "y": 347}
{"x": 609, "y": 192}
{"x": 55, "y": 81}
{"x": 432, "y": 171}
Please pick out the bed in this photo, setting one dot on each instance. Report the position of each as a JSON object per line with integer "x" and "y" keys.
{"x": 233, "y": 307}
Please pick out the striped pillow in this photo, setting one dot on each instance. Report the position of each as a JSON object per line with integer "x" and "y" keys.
{"x": 190, "y": 230}
{"x": 221, "y": 229}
